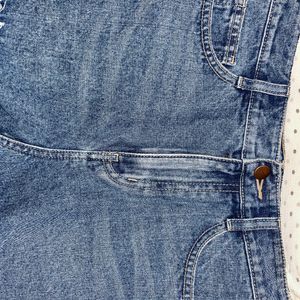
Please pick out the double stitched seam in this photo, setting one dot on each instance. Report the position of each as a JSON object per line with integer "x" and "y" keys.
{"x": 252, "y": 224}
{"x": 191, "y": 183}
{"x": 263, "y": 49}
{"x": 118, "y": 179}
{"x": 221, "y": 71}
{"x": 245, "y": 235}
{"x": 74, "y": 154}
{"x": 282, "y": 254}
{"x": 251, "y": 265}
{"x": 193, "y": 256}
{"x": 271, "y": 161}
{"x": 167, "y": 155}
{"x": 242, "y": 192}
{"x": 242, "y": 8}
{"x": 252, "y": 220}
{"x": 266, "y": 36}
{"x": 54, "y": 153}
{"x": 259, "y": 62}
{"x": 267, "y": 91}
{"x": 258, "y": 85}
{"x": 243, "y": 210}
{"x": 58, "y": 154}
{"x": 206, "y": 23}
{"x": 248, "y": 124}
{"x": 281, "y": 263}
{"x": 229, "y": 37}
{"x": 231, "y": 227}
{"x": 236, "y": 23}
{"x": 259, "y": 227}
{"x": 270, "y": 84}
{"x": 207, "y": 236}
{"x": 265, "y": 42}
{"x": 252, "y": 228}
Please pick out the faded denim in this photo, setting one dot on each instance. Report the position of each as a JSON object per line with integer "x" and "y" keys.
{"x": 129, "y": 133}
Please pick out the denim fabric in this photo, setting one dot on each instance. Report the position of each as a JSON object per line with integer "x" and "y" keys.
{"x": 130, "y": 132}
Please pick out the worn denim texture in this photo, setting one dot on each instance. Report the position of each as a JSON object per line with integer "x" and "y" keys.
{"x": 129, "y": 134}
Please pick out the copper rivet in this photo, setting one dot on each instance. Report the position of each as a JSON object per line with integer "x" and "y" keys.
{"x": 262, "y": 172}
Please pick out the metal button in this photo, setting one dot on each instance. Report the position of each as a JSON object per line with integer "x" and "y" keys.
{"x": 262, "y": 172}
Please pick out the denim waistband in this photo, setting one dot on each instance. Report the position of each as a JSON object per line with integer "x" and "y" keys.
{"x": 190, "y": 171}
{"x": 81, "y": 154}
{"x": 52, "y": 153}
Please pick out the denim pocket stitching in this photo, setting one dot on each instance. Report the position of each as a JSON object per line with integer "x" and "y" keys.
{"x": 179, "y": 155}
{"x": 250, "y": 264}
{"x": 250, "y": 224}
{"x": 281, "y": 252}
{"x": 53, "y": 153}
{"x": 114, "y": 176}
{"x": 281, "y": 255}
{"x": 221, "y": 71}
{"x": 191, "y": 183}
{"x": 252, "y": 258}
{"x": 205, "y": 238}
{"x": 191, "y": 262}
{"x": 236, "y": 25}
{"x": 208, "y": 49}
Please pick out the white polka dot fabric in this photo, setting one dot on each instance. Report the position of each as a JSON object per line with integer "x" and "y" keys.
{"x": 290, "y": 205}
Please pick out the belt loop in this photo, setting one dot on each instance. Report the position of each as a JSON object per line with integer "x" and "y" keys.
{"x": 261, "y": 86}
{"x": 239, "y": 84}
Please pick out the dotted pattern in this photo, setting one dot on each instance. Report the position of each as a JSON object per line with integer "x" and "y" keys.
{"x": 290, "y": 204}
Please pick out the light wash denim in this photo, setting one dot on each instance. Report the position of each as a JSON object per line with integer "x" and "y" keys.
{"x": 130, "y": 134}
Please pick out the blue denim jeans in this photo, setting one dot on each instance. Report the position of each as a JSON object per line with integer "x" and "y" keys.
{"x": 141, "y": 152}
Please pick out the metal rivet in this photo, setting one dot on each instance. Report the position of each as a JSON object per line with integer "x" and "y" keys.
{"x": 262, "y": 172}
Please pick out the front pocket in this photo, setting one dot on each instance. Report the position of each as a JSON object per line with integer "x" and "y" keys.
{"x": 165, "y": 173}
{"x": 191, "y": 262}
{"x": 221, "y": 26}
{"x": 213, "y": 32}
{"x": 228, "y": 261}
